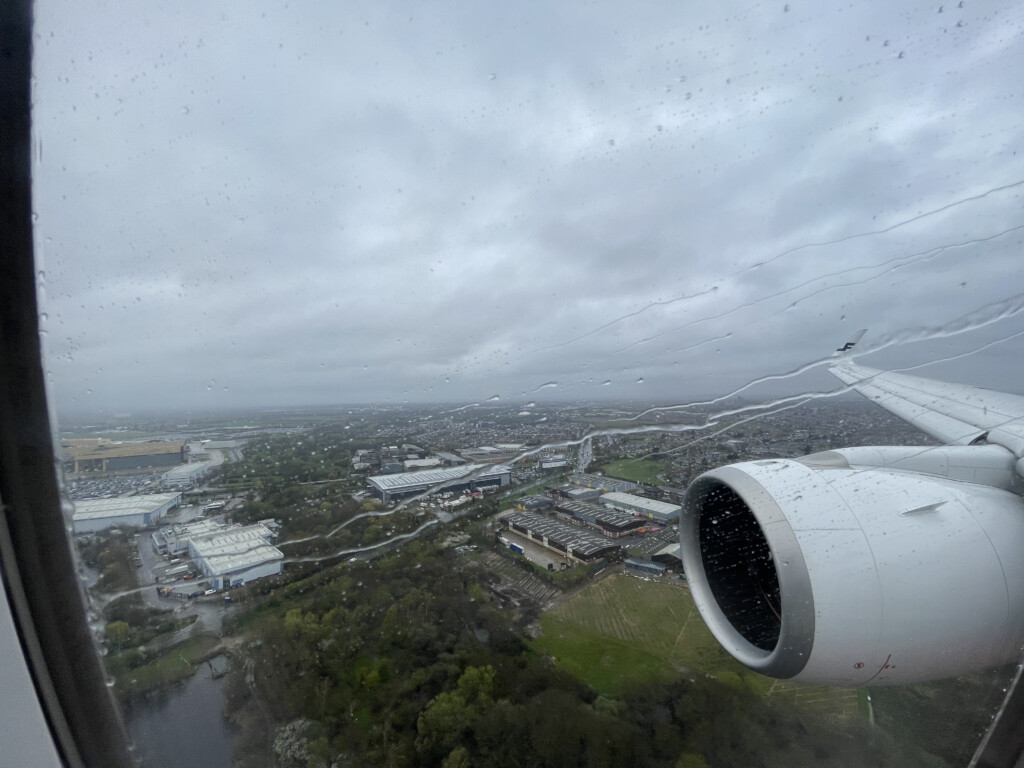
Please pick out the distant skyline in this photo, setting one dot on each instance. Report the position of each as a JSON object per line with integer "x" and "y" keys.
{"x": 253, "y": 206}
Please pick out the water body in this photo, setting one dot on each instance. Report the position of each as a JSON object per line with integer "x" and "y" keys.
{"x": 183, "y": 726}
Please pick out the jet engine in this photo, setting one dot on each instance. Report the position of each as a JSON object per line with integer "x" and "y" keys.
{"x": 866, "y": 566}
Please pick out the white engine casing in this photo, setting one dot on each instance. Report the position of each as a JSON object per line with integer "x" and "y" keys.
{"x": 845, "y": 576}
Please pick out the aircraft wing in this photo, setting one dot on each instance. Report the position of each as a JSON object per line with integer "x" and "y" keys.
{"x": 956, "y": 414}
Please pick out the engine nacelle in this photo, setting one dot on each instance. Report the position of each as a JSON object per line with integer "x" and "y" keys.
{"x": 839, "y": 575}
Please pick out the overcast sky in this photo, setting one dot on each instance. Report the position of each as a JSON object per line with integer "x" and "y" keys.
{"x": 326, "y": 202}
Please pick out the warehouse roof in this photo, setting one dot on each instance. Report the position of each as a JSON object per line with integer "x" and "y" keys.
{"x": 185, "y": 471}
{"x": 236, "y": 548}
{"x": 435, "y": 476}
{"x": 610, "y": 517}
{"x": 650, "y": 505}
{"x": 451, "y": 458}
{"x": 673, "y": 549}
{"x": 105, "y": 449}
{"x": 92, "y": 509}
{"x": 197, "y": 528}
{"x": 600, "y": 481}
{"x": 582, "y": 542}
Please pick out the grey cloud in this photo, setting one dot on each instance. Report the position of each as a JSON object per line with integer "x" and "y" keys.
{"x": 264, "y": 206}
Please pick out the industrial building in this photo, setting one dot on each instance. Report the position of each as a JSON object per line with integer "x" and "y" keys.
{"x": 471, "y": 477}
{"x": 450, "y": 459}
{"x": 661, "y": 511}
{"x": 602, "y": 483}
{"x": 575, "y": 493}
{"x": 533, "y": 502}
{"x": 670, "y": 556}
{"x": 560, "y": 537}
{"x": 234, "y": 556}
{"x": 173, "y": 539}
{"x": 137, "y": 511}
{"x": 645, "y": 567}
{"x": 184, "y": 477}
{"x": 413, "y": 464}
{"x": 103, "y": 455}
{"x": 489, "y": 454}
{"x": 552, "y": 462}
{"x": 609, "y": 522}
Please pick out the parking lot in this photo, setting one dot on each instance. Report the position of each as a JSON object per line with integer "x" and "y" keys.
{"x": 536, "y": 553}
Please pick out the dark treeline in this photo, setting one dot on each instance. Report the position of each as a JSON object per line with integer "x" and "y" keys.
{"x": 409, "y": 661}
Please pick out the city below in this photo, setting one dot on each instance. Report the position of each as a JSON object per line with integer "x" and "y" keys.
{"x": 551, "y": 537}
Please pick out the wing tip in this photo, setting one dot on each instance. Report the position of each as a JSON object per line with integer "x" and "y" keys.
{"x": 848, "y": 346}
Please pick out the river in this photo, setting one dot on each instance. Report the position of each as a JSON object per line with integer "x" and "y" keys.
{"x": 183, "y": 727}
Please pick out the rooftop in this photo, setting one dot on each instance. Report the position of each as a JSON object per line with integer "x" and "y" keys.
{"x": 185, "y": 471}
{"x": 236, "y": 548}
{"x": 198, "y": 528}
{"x": 601, "y": 481}
{"x": 92, "y": 509}
{"x": 435, "y": 476}
{"x": 581, "y": 541}
{"x": 598, "y": 513}
{"x": 105, "y": 449}
{"x": 651, "y": 505}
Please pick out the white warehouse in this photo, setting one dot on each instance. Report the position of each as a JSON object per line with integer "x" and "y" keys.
{"x": 661, "y": 511}
{"x": 469, "y": 476}
{"x": 186, "y": 475}
{"x": 94, "y": 515}
{"x": 234, "y": 556}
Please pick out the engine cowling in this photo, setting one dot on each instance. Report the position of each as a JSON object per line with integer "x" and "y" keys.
{"x": 847, "y": 576}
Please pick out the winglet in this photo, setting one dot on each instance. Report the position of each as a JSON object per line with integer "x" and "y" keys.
{"x": 852, "y": 342}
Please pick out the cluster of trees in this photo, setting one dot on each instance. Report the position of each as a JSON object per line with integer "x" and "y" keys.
{"x": 130, "y": 622}
{"x": 112, "y": 555}
{"x": 407, "y": 661}
{"x": 320, "y": 454}
{"x": 307, "y": 511}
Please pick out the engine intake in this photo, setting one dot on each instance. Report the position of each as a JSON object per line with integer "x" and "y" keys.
{"x": 834, "y": 574}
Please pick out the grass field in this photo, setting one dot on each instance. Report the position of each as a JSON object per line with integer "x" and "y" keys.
{"x": 637, "y": 470}
{"x": 621, "y": 630}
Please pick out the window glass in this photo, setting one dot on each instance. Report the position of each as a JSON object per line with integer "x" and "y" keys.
{"x": 284, "y": 249}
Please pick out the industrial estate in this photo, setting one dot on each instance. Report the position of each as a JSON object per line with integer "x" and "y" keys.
{"x": 400, "y": 540}
{"x": 182, "y": 491}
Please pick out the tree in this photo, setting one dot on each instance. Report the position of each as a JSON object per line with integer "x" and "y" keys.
{"x": 119, "y": 633}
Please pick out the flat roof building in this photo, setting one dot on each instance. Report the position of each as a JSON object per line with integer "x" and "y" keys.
{"x": 94, "y": 515}
{"x": 610, "y": 522}
{"x": 581, "y": 494}
{"x": 487, "y": 454}
{"x": 450, "y": 459}
{"x": 602, "y": 483}
{"x": 670, "y": 555}
{"x": 470, "y": 476}
{"x": 644, "y": 566}
{"x": 174, "y": 539}
{"x": 106, "y": 456}
{"x": 573, "y": 541}
{"x": 661, "y": 511}
{"x": 185, "y": 476}
{"x": 411, "y": 464}
{"x": 532, "y": 502}
{"x": 234, "y": 556}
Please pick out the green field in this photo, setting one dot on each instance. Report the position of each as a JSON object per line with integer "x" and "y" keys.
{"x": 621, "y": 630}
{"x": 636, "y": 470}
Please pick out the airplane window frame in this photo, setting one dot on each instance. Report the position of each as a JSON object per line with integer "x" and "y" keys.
{"x": 35, "y": 556}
